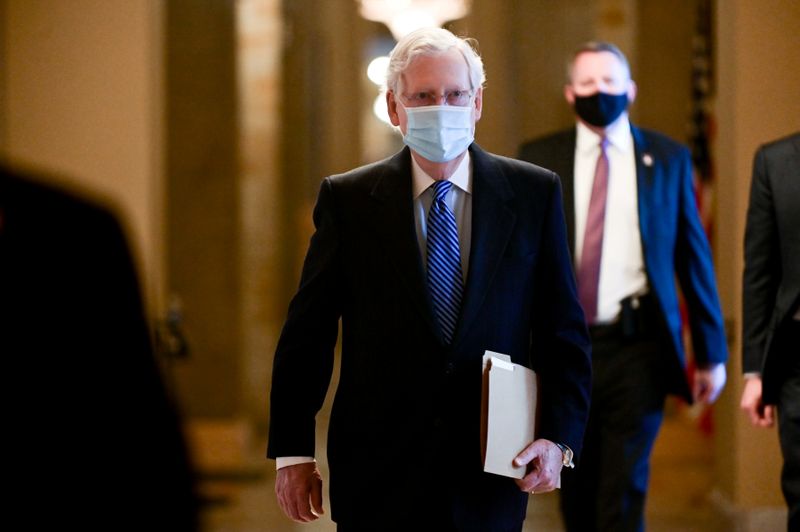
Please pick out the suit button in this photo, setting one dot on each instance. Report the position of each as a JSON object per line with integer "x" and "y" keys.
{"x": 437, "y": 422}
{"x": 449, "y": 368}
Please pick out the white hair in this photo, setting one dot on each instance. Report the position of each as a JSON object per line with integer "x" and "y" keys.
{"x": 429, "y": 42}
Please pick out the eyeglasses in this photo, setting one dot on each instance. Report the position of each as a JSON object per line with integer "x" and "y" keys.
{"x": 458, "y": 97}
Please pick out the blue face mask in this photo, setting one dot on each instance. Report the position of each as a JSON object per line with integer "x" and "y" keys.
{"x": 440, "y": 133}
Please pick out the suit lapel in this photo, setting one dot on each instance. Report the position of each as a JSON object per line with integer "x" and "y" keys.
{"x": 786, "y": 183}
{"x": 394, "y": 223}
{"x": 492, "y": 224}
{"x": 564, "y": 166}
{"x": 793, "y": 163}
{"x": 645, "y": 163}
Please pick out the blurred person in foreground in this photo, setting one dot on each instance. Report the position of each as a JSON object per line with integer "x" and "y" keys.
{"x": 429, "y": 258}
{"x": 633, "y": 228}
{"x": 91, "y": 438}
{"x": 771, "y": 306}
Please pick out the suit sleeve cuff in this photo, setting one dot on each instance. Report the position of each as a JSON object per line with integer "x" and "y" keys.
{"x": 286, "y": 461}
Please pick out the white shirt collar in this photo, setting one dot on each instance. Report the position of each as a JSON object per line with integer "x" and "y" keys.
{"x": 618, "y": 135}
{"x": 462, "y": 177}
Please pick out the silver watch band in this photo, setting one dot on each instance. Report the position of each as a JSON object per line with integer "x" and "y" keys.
{"x": 566, "y": 456}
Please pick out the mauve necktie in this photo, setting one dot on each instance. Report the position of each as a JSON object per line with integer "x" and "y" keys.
{"x": 444, "y": 261}
{"x": 589, "y": 268}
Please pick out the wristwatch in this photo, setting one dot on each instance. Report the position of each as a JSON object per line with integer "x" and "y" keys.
{"x": 566, "y": 456}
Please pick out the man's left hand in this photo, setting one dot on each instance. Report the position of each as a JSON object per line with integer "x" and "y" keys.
{"x": 544, "y": 460}
{"x": 708, "y": 383}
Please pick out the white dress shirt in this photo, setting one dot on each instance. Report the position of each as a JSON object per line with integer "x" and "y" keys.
{"x": 622, "y": 264}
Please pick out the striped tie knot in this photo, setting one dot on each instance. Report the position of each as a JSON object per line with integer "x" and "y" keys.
{"x": 440, "y": 190}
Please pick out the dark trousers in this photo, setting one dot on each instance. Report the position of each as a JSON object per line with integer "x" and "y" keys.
{"x": 789, "y": 430}
{"x": 387, "y": 525}
{"x": 423, "y": 525}
{"x": 606, "y": 491}
{"x": 446, "y": 500}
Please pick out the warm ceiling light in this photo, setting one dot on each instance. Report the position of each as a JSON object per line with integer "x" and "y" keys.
{"x": 404, "y": 16}
{"x": 380, "y": 110}
{"x": 376, "y": 70}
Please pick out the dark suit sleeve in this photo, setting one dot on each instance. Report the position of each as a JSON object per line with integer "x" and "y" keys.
{"x": 304, "y": 357}
{"x": 560, "y": 341}
{"x": 695, "y": 271}
{"x": 762, "y": 264}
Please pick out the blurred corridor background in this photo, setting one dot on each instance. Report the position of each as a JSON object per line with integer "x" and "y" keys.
{"x": 209, "y": 125}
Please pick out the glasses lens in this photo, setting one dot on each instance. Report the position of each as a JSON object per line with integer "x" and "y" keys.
{"x": 460, "y": 98}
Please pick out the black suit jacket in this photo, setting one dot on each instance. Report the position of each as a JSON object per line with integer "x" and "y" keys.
{"x": 771, "y": 281}
{"x": 405, "y": 427}
{"x": 91, "y": 439}
{"x": 674, "y": 243}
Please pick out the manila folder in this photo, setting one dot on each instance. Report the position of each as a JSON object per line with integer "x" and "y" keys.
{"x": 509, "y": 413}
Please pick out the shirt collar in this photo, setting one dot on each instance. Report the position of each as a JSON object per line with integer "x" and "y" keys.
{"x": 618, "y": 135}
{"x": 462, "y": 177}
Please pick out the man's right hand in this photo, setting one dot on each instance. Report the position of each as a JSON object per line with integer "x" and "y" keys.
{"x": 760, "y": 415}
{"x": 299, "y": 490}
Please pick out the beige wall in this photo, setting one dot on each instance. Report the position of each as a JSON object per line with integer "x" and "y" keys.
{"x": 202, "y": 188}
{"x": 82, "y": 100}
{"x": 526, "y": 45}
{"x": 3, "y": 74}
{"x": 662, "y": 66}
{"x": 260, "y": 37}
{"x": 758, "y": 83}
{"x": 320, "y": 113}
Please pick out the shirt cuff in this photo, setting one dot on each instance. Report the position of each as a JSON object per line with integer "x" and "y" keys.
{"x": 752, "y": 375}
{"x": 286, "y": 461}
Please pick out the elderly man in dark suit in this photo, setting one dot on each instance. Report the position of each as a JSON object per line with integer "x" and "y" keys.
{"x": 429, "y": 257}
{"x": 771, "y": 304}
{"x": 633, "y": 227}
{"x": 92, "y": 440}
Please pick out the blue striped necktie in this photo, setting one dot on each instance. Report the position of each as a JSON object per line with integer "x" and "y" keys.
{"x": 445, "y": 282}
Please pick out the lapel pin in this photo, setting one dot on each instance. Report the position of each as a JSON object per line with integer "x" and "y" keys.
{"x": 647, "y": 159}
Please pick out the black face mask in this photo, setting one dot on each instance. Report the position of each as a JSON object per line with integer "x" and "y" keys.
{"x": 601, "y": 109}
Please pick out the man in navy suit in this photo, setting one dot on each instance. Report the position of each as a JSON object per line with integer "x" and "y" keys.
{"x": 633, "y": 228}
{"x": 771, "y": 305}
{"x": 404, "y": 439}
